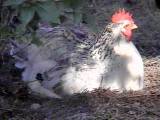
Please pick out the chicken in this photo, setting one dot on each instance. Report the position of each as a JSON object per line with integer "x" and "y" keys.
{"x": 71, "y": 60}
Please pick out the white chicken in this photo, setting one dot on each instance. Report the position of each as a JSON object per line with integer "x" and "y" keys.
{"x": 71, "y": 61}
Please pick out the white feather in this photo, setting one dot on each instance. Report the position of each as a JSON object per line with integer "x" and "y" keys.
{"x": 79, "y": 81}
{"x": 127, "y": 71}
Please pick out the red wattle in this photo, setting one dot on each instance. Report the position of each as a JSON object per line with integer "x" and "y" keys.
{"x": 128, "y": 34}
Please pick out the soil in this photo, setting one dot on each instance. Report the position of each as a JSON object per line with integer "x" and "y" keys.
{"x": 16, "y": 102}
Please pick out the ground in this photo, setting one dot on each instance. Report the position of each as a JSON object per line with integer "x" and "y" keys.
{"x": 16, "y": 102}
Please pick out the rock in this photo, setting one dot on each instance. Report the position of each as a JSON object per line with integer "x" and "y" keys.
{"x": 35, "y": 106}
{"x": 132, "y": 112}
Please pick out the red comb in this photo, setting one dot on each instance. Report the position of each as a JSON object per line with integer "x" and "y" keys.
{"x": 122, "y": 15}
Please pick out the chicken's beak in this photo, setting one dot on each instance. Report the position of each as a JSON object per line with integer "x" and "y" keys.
{"x": 133, "y": 26}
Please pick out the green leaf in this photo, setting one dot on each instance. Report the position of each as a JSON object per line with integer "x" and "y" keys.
{"x": 73, "y": 3}
{"x": 20, "y": 29}
{"x": 26, "y": 15}
{"x": 91, "y": 23}
{"x": 48, "y": 11}
{"x": 13, "y": 2}
{"x": 41, "y": 0}
{"x": 5, "y": 32}
{"x": 77, "y": 17}
{"x": 69, "y": 16}
{"x": 35, "y": 40}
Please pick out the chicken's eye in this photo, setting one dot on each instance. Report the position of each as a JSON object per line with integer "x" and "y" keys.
{"x": 126, "y": 26}
{"x": 109, "y": 30}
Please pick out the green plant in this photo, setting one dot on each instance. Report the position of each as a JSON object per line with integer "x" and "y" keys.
{"x": 20, "y": 16}
{"x": 30, "y": 12}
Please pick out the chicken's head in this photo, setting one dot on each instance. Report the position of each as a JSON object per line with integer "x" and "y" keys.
{"x": 125, "y": 23}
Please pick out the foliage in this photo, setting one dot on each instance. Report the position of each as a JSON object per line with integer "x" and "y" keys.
{"x": 31, "y": 12}
{"x": 20, "y": 16}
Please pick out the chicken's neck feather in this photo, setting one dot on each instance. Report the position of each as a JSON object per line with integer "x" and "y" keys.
{"x": 104, "y": 45}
